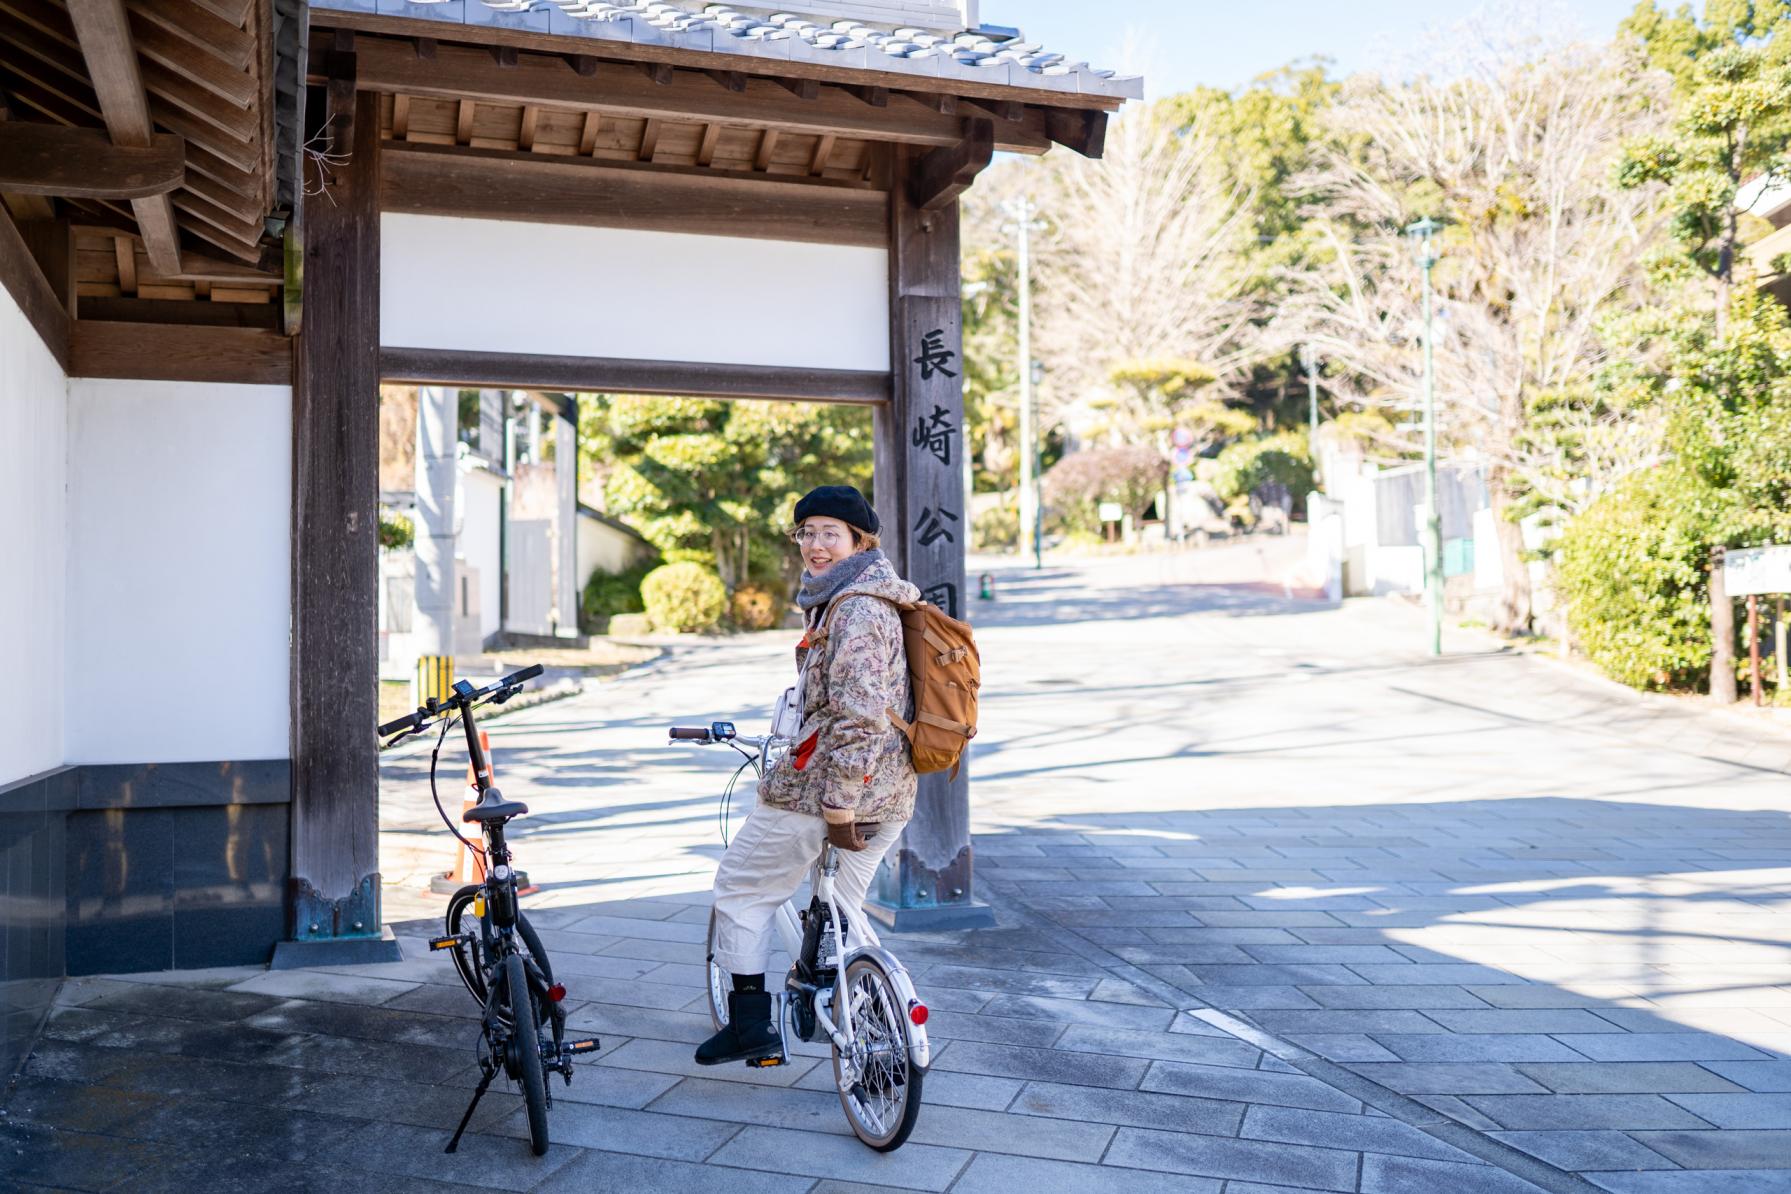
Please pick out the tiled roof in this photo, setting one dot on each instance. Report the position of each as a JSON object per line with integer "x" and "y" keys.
{"x": 981, "y": 55}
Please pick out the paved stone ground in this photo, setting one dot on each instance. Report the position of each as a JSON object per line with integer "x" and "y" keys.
{"x": 1283, "y": 906}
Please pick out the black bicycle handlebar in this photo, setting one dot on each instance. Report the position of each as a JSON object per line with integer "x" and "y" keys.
{"x": 690, "y": 733}
{"x": 457, "y": 700}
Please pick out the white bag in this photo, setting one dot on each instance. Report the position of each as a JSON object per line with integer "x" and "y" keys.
{"x": 786, "y": 720}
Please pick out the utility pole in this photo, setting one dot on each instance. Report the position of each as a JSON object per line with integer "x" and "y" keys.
{"x": 1423, "y": 234}
{"x": 1021, "y": 211}
{"x": 1309, "y": 362}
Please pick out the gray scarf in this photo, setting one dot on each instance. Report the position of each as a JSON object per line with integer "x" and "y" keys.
{"x": 817, "y": 591}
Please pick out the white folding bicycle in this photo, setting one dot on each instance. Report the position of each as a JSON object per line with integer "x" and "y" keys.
{"x": 878, "y": 1029}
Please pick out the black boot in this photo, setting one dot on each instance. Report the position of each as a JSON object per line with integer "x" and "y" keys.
{"x": 750, "y": 1034}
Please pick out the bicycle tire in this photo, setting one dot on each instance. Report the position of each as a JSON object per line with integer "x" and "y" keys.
{"x": 718, "y": 981}
{"x": 466, "y": 959}
{"x": 528, "y": 1050}
{"x": 885, "y": 1033}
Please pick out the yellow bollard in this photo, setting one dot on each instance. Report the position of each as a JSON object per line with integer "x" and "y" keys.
{"x": 435, "y": 678}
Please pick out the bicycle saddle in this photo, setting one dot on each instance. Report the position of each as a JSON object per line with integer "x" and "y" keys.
{"x": 493, "y": 807}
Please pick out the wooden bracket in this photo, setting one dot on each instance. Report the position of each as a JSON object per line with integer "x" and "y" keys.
{"x": 728, "y": 80}
{"x": 807, "y": 89}
{"x": 1081, "y": 130}
{"x": 876, "y": 97}
{"x": 660, "y": 72}
{"x": 583, "y": 65}
{"x": 1011, "y": 111}
{"x": 943, "y": 174}
{"x": 47, "y": 159}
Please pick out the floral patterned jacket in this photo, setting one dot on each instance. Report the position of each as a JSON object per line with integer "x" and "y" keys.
{"x": 849, "y": 762}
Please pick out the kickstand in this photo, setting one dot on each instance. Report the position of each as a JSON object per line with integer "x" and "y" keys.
{"x": 484, "y": 1085}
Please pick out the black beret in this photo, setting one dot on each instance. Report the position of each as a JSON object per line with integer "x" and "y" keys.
{"x": 843, "y": 502}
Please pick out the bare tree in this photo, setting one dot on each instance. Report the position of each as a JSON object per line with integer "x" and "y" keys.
{"x": 1141, "y": 261}
{"x": 1514, "y": 148}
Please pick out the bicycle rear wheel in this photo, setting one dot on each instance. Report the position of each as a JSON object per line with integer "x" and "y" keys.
{"x": 469, "y": 956}
{"x": 527, "y": 1044}
{"x": 883, "y": 1102}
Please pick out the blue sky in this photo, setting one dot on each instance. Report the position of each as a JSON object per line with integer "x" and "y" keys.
{"x": 1179, "y": 44}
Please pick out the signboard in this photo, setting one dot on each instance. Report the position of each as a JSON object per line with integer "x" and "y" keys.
{"x": 1754, "y": 570}
{"x": 1112, "y": 511}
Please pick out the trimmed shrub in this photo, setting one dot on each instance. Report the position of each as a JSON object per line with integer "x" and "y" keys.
{"x": 1634, "y": 570}
{"x": 684, "y": 597}
{"x": 1258, "y": 467}
{"x": 998, "y": 528}
{"x": 610, "y": 593}
{"x": 754, "y": 608}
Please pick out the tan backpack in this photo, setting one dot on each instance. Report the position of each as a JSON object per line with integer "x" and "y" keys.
{"x": 944, "y": 674}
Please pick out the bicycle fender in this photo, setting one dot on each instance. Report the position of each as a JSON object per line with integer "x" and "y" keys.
{"x": 922, "y": 1052}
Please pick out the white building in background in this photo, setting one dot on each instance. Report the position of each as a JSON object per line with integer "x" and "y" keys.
{"x": 522, "y": 546}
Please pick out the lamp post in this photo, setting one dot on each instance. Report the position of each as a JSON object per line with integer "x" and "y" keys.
{"x": 1021, "y": 212}
{"x": 1423, "y": 234}
{"x": 1037, "y": 374}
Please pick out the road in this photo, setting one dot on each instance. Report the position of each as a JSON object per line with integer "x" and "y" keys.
{"x": 1283, "y": 905}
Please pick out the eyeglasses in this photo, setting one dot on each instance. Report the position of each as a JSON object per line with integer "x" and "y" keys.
{"x": 827, "y": 538}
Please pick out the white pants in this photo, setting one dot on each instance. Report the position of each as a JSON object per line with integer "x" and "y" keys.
{"x": 765, "y": 864}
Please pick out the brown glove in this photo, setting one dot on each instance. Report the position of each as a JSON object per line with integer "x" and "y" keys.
{"x": 844, "y": 836}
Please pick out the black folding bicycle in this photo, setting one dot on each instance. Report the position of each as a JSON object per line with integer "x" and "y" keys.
{"x": 497, "y": 952}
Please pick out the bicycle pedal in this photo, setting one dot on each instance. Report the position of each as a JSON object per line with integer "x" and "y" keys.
{"x": 590, "y": 1046}
{"x": 436, "y": 943}
{"x": 765, "y": 1063}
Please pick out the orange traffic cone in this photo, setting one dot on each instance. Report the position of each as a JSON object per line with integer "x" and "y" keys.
{"x": 469, "y": 864}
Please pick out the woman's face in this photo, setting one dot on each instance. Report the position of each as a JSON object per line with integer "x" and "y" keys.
{"x": 824, "y": 542}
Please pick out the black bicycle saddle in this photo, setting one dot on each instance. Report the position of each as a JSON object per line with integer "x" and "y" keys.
{"x": 493, "y": 807}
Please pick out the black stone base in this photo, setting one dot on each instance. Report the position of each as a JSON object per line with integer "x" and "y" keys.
{"x": 935, "y": 918}
{"x": 341, "y": 951}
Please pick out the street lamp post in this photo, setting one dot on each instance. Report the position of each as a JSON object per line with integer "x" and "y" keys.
{"x": 1022, "y": 212}
{"x": 1037, "y": 373}
{"x": 1309, "y": 362}
{"x": 1423, "y": 234}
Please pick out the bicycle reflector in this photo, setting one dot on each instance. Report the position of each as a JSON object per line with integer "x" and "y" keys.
{"x": 917, "y": 1012}
{"x": 557, "y": 992}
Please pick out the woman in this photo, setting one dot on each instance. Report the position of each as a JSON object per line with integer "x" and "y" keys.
{"x": 848, "y": 779}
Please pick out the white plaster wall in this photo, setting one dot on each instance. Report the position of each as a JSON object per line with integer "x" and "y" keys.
{"x": 33, "y": 528}
{"x": 560, "y": 290}
{"x": 477, "y": 507}
{"x": 178, "y": 571}
{"x": 602, "y": 547}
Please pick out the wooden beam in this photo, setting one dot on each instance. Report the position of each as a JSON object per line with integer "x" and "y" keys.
{"x": 649, "y": 141}
{"x": 192, "y": 63}
{"x": 467, "y": 74}
{"x": 761, "y": 158}
{"x": 939, "y": 176}
{"x": 179, "y": 311}
{"x": 817, "y": 162}
{"x": 1010, "y": 111}
{"x": 659, "y": 72}
{"x": 435, "y": 366}
{"x": 939, "y": 102}
{"x": 124, "y": 250}
{"x": 531, "y": 119}
{"x": 43, "y": 308}
{"x": 1084, "y": 132}
{"x": 401, "y": 117}
{"x": 496, "y": 185}
{"x": 180, "y": 352}
{"x": 876, "y": 97}
{"x": 46, "y": 159}
{"x": 587, "y": 138}
{"x": 105, "y": 35}
{"x": 582, "y": 65}
{"x": 805, "y": 89}
{"x": 463, "y": 122}
{"x": 706, "y": 148}
{"x": 205, "y": 30}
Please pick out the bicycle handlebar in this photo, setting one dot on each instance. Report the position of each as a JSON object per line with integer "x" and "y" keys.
{"x": 460, "y": 700}
{"x": 691, "y": 734}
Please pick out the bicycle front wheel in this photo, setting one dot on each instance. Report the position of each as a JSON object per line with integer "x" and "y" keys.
{"x": 717, "y": 979}
{"x": 527, "y": 1043}
{"x": 883, "y": 1100}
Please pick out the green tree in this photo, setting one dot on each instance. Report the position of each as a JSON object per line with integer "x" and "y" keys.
{"x": 717, "y": 482}
{"x": 1725, "y": 378}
